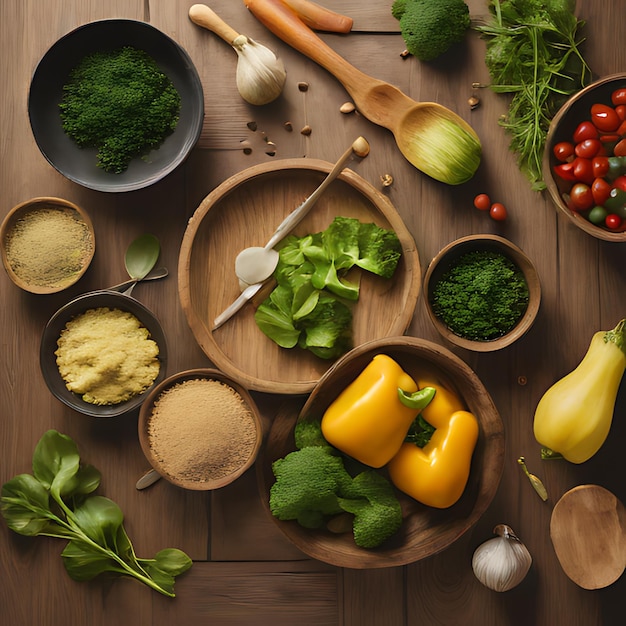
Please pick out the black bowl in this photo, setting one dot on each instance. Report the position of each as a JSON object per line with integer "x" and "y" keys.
{"x": 46, "y": 91}
{"x": 52, "y": 331}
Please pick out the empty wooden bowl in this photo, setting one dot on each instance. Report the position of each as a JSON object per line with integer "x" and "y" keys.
{"x": 200, "y": 429}
{"x": 446, "y": 259}
{"x": 47, "y": 244}
{"x": 424, "y": 531}
{"x": 564, "y": 123}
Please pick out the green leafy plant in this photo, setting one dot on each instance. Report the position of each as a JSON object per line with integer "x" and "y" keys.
{"x": 57, "y": 500}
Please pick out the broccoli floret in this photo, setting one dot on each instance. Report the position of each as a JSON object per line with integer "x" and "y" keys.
{"x": 312, "y": 486}
{"x": 308, "y": 433}
{"x": 377, "y": 511}
{"x": 430, "y": 27}
{"x": 398, "y": 8}
{"x": 379, "y": 250}
{"x": 307, "y": 484}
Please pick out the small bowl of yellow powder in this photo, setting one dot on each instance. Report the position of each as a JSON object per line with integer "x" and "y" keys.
{"x": 102, "y": 353}
{"x": 47, "y": 244}
{"x": 200, "y": 430}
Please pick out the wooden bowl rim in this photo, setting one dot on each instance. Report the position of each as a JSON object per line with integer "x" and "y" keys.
{"x": 491, "y": 441}
{"x": 205, "y": 337}
{"x": 490, "y": 242}
{"x": 145, "y": 413}
{"x": 23, "y": 208}
{"x": 548, "y": 161}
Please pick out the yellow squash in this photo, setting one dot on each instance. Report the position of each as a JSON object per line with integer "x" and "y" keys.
{"x": 574, "y": 416}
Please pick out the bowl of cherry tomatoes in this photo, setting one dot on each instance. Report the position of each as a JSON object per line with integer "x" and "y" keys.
{"x": 584, "y": 164}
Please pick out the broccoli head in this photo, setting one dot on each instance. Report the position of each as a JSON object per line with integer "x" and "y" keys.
{"x": 309, "y": 433}
{"x": 377, "y": 512}
{"x": 430, "y": 27}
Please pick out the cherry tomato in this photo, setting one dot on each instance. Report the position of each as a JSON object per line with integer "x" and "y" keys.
{"x": 588, "y": 148}
{"x": 583, "y": 170}
{"x": 600, "y": 190}
{"x": 581, "y": 196}
{"x": 620, "y": 109}
{"x": 621, "y": 131}
{"x": 482, "y": 202}
{"x": 563, "y": 150}
{"x": 498, "y": 212}
{"x": 565, "y": 171}
{"x": 585, "y": 130}
{"x": 620, "y": 148}
{"x": 600, "y": 166}
{"x": 597, "y": 215}
{"x": 620, "y": 183}
{"x": 613, "y": 221}
{"x": 619, "y": 96}
{"x": 604, "y": 117}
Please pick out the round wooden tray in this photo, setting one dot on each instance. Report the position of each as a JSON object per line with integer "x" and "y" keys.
{"x": 244, "y": 211}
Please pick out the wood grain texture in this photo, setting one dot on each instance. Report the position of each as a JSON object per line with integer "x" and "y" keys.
{"x": 245, "y": 571}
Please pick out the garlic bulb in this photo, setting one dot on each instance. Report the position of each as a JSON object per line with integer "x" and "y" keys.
{"x": 261, "y": 74}
{"x": 501, "y": 563}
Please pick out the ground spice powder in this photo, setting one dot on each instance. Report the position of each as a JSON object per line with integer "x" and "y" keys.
{"x": 47, "y": 247}
{"x": 201, "y": 430}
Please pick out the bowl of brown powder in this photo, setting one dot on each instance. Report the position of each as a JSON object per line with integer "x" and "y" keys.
{"x": 200, "y": 429}
{"x": 47, "y": 244}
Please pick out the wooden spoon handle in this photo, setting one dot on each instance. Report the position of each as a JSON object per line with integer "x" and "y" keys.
{"x": 286, "y": 24}
{"x": 204, "y": 16}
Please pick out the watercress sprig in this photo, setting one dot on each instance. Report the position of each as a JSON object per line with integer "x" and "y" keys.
{"x": 57, "y": 500}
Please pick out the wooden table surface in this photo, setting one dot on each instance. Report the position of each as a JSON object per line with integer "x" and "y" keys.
{"x": 245, "y": 571}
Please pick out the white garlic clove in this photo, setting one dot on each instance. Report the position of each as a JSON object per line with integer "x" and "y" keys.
{"x": 501, "y": 563}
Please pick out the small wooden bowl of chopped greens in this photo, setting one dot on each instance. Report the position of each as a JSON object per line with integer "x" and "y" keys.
{"x": 115, "y": 105}
{"x": 584, "y": 162}
{"x": 47, "y": 244}
{"x": 482, "y": 292}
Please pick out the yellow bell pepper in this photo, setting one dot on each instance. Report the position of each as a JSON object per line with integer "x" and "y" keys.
{"x": 436, "y": 475}
{"x": 368, "y": 421}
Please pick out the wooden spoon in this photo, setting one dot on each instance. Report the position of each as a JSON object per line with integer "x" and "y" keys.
{"x": 431, "y": 137}
{"x": 588, "y": 531}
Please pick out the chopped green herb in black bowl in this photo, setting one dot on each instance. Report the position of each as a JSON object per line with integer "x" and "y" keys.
{"x": 482, "y": 292}
{"x": 92, "y": 122}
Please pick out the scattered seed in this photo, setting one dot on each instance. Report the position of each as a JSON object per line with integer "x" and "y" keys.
{"x": 306, "y": 130}
{"x": 270, "y": 153}
{"x": 386, "y": 180}
{"x": 478, "y": 86}
{"x": 247, "y": 148}
{"x": 288, "y": 126}
{"x": 405, "y": 54}
{"x": 521, "y": 380}
{"x": 302, "y": 86}
{"x": 252, "y": 126}
{"x": 347, "y": 107}
{"x": 473, "y": 102}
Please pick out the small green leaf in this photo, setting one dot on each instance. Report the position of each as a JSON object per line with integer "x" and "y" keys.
{"x": 141, "y": 256}
{"x": 172, "y": 561}
{"x": 82, "y": 562}
{"x": 99, "y": 518}
{"x": 25, "y": 503}
{"x": 55, "y": 460}
{"x": 418, "y": 399}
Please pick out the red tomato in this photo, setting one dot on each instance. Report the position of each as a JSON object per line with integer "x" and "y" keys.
{"x": 600, "y": 166}
{"x": 583, "y": 171}
{"x": 581, "y": 197}
{"x": 620, "y": 183}
{"x": 613, "y": 221}
{"x": 604, "y": 117}
{"x": 585, "y": 130}
{"x": 482, "y": 202}
{"x": 565, "y": 171}
{"x": 619, "y": 96}
{"x": 620, "y": 109}
{"x": 620, "y": 148}
{"x": 600, "y": 191}
{"x": 498, "y": 212}
{"x": 588, "y": 148}
{"x": 563, "y": 150}
{"x": 621, "y": 131}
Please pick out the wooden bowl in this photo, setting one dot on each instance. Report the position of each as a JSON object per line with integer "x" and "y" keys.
{"x": 52, "y": 331}
{"x": 562, "y": 127}
{"x": 448, "y": 256}
{"x": 424, "y": 531}
{"x": 161, "y": 465}
{"x": 53, "y": 276}
{"x": 244, "y": 211}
